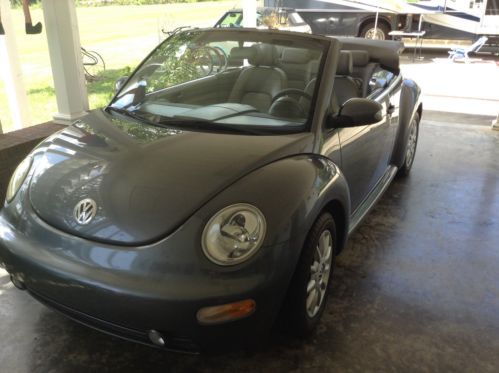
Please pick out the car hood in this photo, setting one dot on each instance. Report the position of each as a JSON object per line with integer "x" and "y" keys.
{"x": 145, "y": 180}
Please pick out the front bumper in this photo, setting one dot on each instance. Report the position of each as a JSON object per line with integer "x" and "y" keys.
{"x": 128, "y": 291}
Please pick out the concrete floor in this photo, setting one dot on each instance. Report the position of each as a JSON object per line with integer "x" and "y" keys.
{"x": 417, "y": 288}
{"x": 455, "y": 86}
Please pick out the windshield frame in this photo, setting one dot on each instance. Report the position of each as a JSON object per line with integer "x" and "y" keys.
{"x": 323, "y": 42}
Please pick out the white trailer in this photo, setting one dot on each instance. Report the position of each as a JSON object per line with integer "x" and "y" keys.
{"x": 477, "y": 17}
{"x": 442, "y": 19}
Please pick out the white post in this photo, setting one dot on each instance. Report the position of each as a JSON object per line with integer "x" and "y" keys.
{"x": 420, "y": 22}
{"x": 376, "y": 23}
{"x": 63, "y": 37}
{"x": 10, "y": 68}
{"x": 249, "y": 13}
{"x": 495, "y": 123}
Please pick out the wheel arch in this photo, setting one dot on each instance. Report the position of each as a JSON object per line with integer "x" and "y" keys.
{"x": 410, "y": 104}
{"x": 420, "y": 110}
{"x": 338, "y": 212}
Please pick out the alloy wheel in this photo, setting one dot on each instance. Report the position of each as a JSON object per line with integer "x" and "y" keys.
{"x": 411, "y": 144}
{"x": 319, "y": 273}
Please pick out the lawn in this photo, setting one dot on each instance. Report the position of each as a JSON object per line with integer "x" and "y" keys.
{"x": 123, "y": 35}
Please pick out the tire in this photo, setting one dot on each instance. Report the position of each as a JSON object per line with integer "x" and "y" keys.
{"x": 412, "y": 143}
{"x": 368, "y": 29}
{"x": 300, "y": 315}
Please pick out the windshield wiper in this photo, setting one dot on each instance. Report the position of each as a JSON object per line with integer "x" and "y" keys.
{"x": 204, "y": 124}
{"x": 129, "y": 113}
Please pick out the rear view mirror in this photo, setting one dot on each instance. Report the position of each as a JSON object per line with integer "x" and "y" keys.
{"x": 119, "y": 83}
{"x": 357, "y": 112}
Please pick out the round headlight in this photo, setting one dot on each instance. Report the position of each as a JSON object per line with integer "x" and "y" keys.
{"x": 234, "y": 234}
{"x": 17, "y": 178}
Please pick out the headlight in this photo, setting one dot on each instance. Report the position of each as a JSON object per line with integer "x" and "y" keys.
{"x": 17, "y": 178}
{"x": 234, "y": 234}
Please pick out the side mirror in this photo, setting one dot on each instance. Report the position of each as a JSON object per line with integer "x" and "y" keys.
{"x": 119, "y": 83}
{"x": 357, "y": 112}
{"x": 377, "y": 83}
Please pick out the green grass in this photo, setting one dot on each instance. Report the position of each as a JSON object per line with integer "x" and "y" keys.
{"x": 123, "y": 35}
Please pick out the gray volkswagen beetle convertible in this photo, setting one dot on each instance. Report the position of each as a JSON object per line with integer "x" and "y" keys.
{"x": 208, "y": 201}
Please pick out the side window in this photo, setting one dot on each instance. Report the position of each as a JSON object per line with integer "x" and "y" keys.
{"x": 232, "y": 19}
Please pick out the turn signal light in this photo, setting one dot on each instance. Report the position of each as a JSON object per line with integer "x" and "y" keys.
{"x": 226, "y": 312}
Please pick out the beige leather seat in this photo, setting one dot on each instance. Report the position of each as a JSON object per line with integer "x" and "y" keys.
{"x": 345, "y": 86}
{"x": 363, "y": 69}
{"x": 259, "y": 83}
{"x": 295, "y": 63}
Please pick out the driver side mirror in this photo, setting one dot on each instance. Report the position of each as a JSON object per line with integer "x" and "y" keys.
{"x": 119, "y": 83}
{"x": 356, "y": 112}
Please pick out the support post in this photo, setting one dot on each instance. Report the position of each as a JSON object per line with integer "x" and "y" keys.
{"x": 63, "y": 37}
{"x": 495, "y": 123}
{"x": 249, "y": 13}
{"x": 10, "y": 69}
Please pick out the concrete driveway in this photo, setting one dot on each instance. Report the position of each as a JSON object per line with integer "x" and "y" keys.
{"x": 456, "y": 87}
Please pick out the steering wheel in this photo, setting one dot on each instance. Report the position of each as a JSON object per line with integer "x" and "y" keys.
{"x": 223, "y": 60}
{"x": 290, "y": 92}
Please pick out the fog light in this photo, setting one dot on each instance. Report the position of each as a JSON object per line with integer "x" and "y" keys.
{"x": 156, "y": 338}
{"x": 226, "y": 312}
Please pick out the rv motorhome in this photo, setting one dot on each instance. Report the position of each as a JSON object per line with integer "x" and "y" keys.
{"x": 441, "y": 19}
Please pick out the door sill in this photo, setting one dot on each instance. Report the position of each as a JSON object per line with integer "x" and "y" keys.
{"x": 372, "y": 198}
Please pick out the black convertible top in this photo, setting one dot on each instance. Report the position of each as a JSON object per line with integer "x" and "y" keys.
{"x": 385, "y": 52}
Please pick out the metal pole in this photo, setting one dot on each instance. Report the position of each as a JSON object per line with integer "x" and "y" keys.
{"x": 376, "y": 22}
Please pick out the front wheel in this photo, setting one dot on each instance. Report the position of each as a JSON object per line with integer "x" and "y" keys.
{"x": 373, "y": 31}
{"x": 309, "y": 288}
{"x": 410, "y": 150}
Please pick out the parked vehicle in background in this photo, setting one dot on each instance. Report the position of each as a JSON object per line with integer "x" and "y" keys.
{"x": 453, "y": 19}
{"x": 286, "y": 19}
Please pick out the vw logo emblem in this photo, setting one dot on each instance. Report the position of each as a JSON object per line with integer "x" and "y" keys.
{"x": 85, "y": 211}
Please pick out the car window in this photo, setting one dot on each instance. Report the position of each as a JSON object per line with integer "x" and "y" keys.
{"x": 232, "y": 19}
{"x": 235, "y": 19}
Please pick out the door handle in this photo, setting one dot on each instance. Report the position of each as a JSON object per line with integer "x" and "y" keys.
{"x": 390, "y": 110}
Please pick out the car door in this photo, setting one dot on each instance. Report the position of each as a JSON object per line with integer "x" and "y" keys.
{"x": 363, "y": 153}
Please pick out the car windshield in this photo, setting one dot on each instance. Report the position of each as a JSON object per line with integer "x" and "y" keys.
{"x": 226, "y": 80}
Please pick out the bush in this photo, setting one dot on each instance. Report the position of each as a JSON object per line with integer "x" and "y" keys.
{"x": 17, "y": 3}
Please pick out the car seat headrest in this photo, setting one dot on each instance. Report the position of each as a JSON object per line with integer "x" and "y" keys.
{"x": 295, "y": 55}
{"x": 360, "y": 58}
{"x": 264, "y": 55}
{"x": 345, "y": 65}
{"x": 241, "y": 53}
